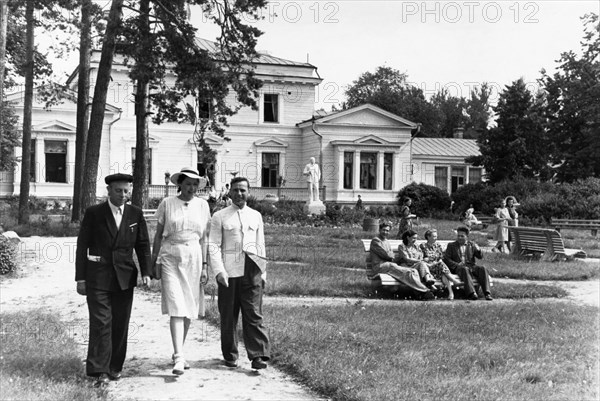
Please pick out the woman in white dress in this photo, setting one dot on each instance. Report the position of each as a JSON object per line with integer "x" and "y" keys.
{"x": 180, "y": 249}
{"x": 502, "y": 217}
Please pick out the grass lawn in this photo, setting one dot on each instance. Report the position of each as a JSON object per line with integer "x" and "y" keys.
{"x": 38, "y": 360}
{"x": 328, "y": 281}
{"x": 324, "y": 249}
{"x": 433, "y": 351}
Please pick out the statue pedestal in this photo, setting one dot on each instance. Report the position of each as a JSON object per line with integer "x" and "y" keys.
{"x": 314, "y": 207}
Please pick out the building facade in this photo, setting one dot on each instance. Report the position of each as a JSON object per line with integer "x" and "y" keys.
{"x": 364, "y": 150}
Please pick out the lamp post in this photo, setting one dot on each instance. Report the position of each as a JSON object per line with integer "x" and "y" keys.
{"x": 167, "y": 181}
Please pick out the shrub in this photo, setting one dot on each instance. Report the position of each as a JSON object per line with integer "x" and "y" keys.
{"x": 8, "y": 255}
{"x": 539, "y": 202}
{"x": 427, "y": 200}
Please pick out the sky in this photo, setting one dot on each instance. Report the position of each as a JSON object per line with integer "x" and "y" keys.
{"x": 453, "y": 45}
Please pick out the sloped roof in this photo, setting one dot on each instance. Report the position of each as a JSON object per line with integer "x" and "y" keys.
{"x": 322, "y": 116}
{"x": 212, "y": 47}
{"x": 445, "y": 147}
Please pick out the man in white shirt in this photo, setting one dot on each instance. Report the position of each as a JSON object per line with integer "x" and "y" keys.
{"x": 237, "y": 258}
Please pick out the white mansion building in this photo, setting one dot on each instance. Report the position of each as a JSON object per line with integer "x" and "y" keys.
{"x": 364, "y": 150}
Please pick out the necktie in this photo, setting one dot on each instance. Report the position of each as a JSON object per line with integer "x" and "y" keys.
{"x": 118, "y": 217}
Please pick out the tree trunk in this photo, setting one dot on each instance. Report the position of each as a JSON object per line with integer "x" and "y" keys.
{"x": 142, "y": 159}
{"x": 27, "y": 110}
{"x": 83, "y": 94}
{"x": 92, "y": 153}
{"x": 3, "y": 25}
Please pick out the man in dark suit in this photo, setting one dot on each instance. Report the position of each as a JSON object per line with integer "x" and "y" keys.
{"x": 106, "y": 273}
{"x": 460, "y": 258}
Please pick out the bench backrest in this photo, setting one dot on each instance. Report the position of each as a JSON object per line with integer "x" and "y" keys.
{"x": 576, "y": 222}
{"x": 541, "y": 240}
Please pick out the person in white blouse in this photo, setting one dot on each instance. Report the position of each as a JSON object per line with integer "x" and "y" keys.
{"x": 237, "y": 259}
{"x": 180, "y": 250}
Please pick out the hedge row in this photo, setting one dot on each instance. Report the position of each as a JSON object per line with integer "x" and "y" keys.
{"x": 539, "y": 201}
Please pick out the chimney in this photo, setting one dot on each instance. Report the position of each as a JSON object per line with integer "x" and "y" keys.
{"x": 458, "y": 133}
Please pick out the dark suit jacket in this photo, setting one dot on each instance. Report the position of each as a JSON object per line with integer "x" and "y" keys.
{"x": 98, "y": 237}
{"x": 452, "y": 255}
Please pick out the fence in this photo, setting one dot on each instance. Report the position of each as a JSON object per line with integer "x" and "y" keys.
{"x": 289, "y": 193}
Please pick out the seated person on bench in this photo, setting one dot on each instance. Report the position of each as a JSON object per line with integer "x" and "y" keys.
{"x": 382, "y": 258}
{"x": 470, "y": 219}
{"x": 410, "y": 255}
{"x": 460, "y": 258}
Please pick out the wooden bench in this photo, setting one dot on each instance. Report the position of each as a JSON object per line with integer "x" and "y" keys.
{"x": 384, "y": 280}
{"x": 544, "y": 242}
{"x": 592, "y": 225}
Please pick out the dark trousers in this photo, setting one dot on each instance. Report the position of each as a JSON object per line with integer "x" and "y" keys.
{"x": 243, "y": 294}
{"x": 109, "y": 323}
{"x": 466, "y": 275}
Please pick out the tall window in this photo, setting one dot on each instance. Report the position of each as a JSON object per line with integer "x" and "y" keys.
{"x": 348, "y": 169}
{"x": 56, "y": 161}
{"x": 32, "y": 164}
{"x": 474, "y": 175}
{"x": 387, "y": 170}
{"x": 149, "y": 164}
{"x": 458, "y": 178}
{"x": 368, "y": 170}
{"x": 441, "y": 178}
{"x": 270, "y": 169}
{"x": 271, "y": 108}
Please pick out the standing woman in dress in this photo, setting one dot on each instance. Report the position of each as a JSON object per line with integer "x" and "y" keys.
{"x": 406, "y": 218}
{"x": 511, "y": 204}
{"x": 180, "y": 250}
{"x": 502, "y": 217}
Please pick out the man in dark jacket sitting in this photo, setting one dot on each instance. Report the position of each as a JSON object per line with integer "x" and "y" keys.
{"x": 460, "y": 258}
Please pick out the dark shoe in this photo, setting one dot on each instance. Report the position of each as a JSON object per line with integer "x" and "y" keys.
{"x": 114, "y": 376}
{"x": 258, "y": 363}
{"x": 102, "y": 380}
{"x": 231, "y": 364}
{"x": 473, "y": 297}
{"x": 488, "y": 297}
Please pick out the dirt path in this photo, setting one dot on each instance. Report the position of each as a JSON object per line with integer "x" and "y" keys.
{"x": 47, "y": 282}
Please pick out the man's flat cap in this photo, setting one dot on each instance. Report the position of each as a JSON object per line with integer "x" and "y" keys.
{"x": 118, "y": 177}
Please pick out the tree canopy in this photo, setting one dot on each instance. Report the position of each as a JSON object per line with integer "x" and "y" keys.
{"x": 507, "y": 149}
{"x": 573, "y": 107}
{"x": 389, "y": 89}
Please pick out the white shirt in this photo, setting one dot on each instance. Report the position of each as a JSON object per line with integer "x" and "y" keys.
{"x": 235, "y": 232}
{"x": 117, "y": 212}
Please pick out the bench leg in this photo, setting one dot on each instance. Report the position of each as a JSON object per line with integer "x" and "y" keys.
{"x": 594, "y": 232}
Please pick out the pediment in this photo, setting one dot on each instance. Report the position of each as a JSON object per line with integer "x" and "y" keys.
{"x": 371, "y": 140}
{"x": 211, "y": 140}
{"x": 55, "y": 126}
{"x": 271, "y": 142}
{"x": 366, "y": 115}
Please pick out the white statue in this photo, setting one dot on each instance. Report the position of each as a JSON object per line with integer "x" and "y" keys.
{"x": 313, "y": 176}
